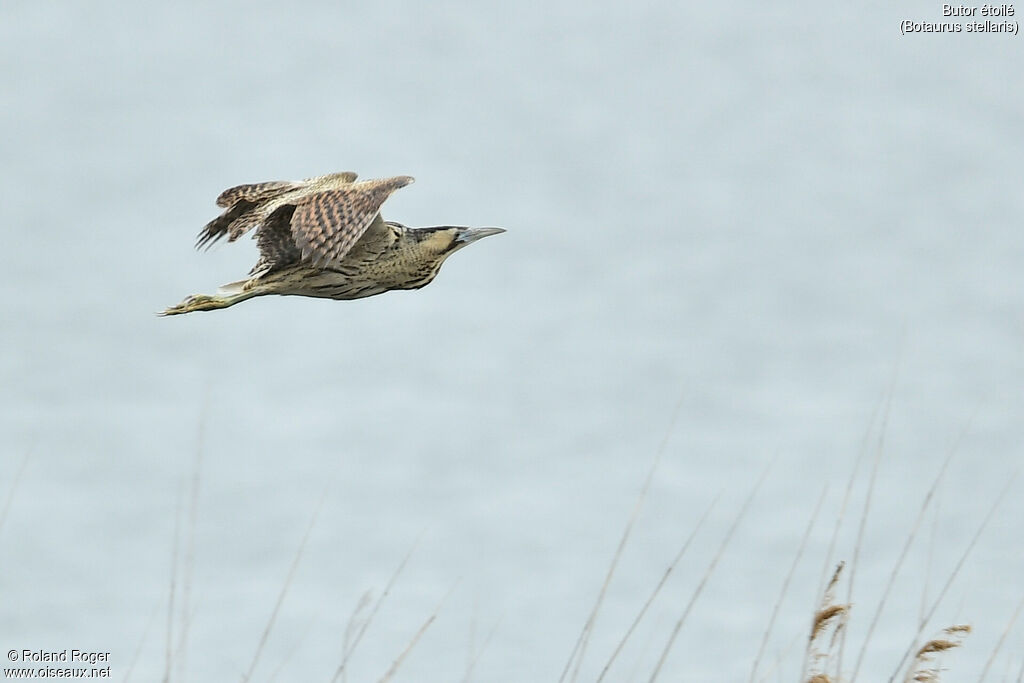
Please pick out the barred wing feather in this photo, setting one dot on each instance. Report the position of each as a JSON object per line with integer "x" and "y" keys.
{"x": 326, "y": 225}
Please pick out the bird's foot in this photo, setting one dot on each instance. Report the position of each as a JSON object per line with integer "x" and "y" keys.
{"x": 197, "y": 302}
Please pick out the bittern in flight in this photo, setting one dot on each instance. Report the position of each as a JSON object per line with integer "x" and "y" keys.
{"x": 324, "y": 237}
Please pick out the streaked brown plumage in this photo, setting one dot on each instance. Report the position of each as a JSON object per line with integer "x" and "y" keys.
{"x": 324, "y": 237}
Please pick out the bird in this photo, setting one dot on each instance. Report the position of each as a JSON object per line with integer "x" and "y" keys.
{"x": 324, "y": 237}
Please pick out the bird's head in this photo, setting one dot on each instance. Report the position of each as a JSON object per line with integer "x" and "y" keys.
{"x": 433, "y": 245}
{"x": 447, "y": 239}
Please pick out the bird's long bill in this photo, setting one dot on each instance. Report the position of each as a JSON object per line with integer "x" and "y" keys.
{"x": 470, "y": 235}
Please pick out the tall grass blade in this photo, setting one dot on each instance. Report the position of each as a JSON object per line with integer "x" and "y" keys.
{"x": 657, "y": 589}
{"x": 376, "y": 606}
{"x": 142, "y": 641}
{"x": 580, "y": 648}
{"x": 478, "y": 653}
{"x": 906, "y": 549}
{"x": 172, "y": 593}
{"x": 952, "y": 576}
{"x": 1002, "y": 639}
{"x": 190, "y": 541}
{"x": 415, "y": 639}
{"x": 879, "y": 448}
{"x": 707, "y": 574}
{"x": 284, "y": 589}
{"x": 785, "y": 584}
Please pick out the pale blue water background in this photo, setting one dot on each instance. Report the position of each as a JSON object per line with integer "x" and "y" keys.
{"x": 772, "y": 213}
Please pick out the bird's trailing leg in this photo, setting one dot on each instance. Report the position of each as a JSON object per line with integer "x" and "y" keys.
{"x": 228, "y": 295}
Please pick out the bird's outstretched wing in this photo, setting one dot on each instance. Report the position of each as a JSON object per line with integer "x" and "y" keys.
{"x": 247, "y": 206}
{"x": 274, "y": 239}
{"x": 255, "y": 192}
{"x": 220, "y": 225}
{"x": 327, "y": 224}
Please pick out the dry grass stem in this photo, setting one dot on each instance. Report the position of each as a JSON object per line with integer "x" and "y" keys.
{"x": 190, "y": 542}
{"x": 284, "y": 589}
{"x": 952, "y": 576}
{"x": 476, "y": 656}
{"x": 657, "y": 589}
{"x": 707, "y": 574}
{"x": 929, "y": 562}
{"x": 347, "y": 654}
{"x": 906, "y": 547}
{"x": 1002, "y": 639}
{"x": 293, "y": 649}
{"x": 830, "y": 553}
{"x": 785, "y": 583}
{"x": 879, "y": 450}
{"x": 142, "y": 641}
{"x": 861, "y": 454}
{"x": 579, "y": 649}
{"x": 415, "y": 639}
{"x": 354, "y": 621}
{"x": 172, "y": 593}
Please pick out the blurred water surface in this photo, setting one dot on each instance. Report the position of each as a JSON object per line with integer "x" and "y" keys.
{"x": 773, "y": 216}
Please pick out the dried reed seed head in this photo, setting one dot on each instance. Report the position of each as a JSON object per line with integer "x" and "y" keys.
{"x": 957, "y": 632}
{"x": 824, "y": 616}
{"x": 820, "y": 678}
{"x": 933, "y": 646}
